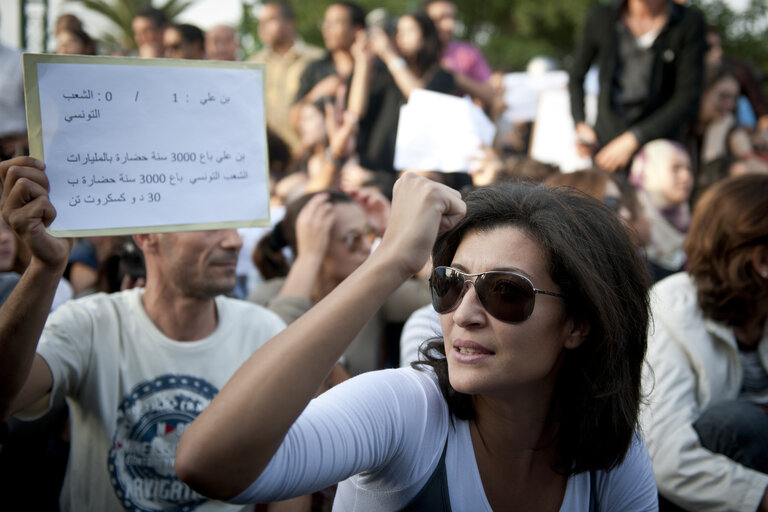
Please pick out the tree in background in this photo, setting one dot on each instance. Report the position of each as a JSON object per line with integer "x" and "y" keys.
{"x": 744, "y": 33}
{"x": 510, "y": 32}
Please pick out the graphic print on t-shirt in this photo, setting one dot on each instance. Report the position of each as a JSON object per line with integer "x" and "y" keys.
{"x": 150, "y": 422}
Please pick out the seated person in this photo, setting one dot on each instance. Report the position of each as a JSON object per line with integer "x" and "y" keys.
{"x": 661, "y": 171}
{"x": 330, "y": 236}
{"x": 705, "y": 421}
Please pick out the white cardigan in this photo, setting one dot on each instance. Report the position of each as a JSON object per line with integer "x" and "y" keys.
{"x": 693, "y": 362}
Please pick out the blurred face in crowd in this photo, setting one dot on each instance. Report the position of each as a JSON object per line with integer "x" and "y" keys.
{"x": 201, "y": 264}
{"x": 274, "y": 30}
{"x": 671, "y": 175}
{"x": 714, "y": 54}
{"x": 311, "y": 125}
{"x": 350, "y": 242}
{"x": 720, "y": 99}
{"x": 69, "y": 43}
{"x": 146, "y": 32}
{"x": 338, "y": 32}
{"x": 443, "y": 14}
{"x": 177, "y": 48}
{"x": 221, "y": 43}
{"x": 7, "y": 247}
{"x": 409, "y": 38}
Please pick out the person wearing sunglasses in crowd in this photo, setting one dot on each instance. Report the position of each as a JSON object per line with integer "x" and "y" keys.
{"x": 330, "y": 234}
{"x": 530, "y": 403}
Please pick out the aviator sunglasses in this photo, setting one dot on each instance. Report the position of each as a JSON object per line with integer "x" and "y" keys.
{"x": 506, "y": 296}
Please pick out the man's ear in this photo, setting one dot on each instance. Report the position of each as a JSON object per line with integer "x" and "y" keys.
{"x": 147, "y": 242}
{"x": 578, "y": 332}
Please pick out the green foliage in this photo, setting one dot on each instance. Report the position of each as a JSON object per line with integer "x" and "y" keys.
{"x": 120, "y": 12}
{"x": 510, "y": 32}
{"x": 743, "y": 33}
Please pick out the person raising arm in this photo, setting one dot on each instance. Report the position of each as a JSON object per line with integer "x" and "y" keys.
{"x": 26, "y": 208}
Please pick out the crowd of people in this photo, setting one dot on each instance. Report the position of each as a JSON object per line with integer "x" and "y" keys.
{"x": 512, "y": 337}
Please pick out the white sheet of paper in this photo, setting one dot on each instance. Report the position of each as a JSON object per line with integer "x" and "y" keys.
{"x": 142, "y": 148}
{"x": 521, "y": 92}
{"x": 440, "y": 132}
{"x": 554, "y": 135}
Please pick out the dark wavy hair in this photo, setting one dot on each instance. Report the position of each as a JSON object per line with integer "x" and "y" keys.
{"x": 428, "y": 56}
{"x": 268, "y": 254}
{"x": 605, "y": 283}
{"x": 729, "y": 221}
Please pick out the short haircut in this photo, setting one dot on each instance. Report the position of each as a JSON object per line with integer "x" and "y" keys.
{"x": 284, "y": 9}
{"x": 356, "y": 13}
{"x": 68, "y": 22}
{"x": 604, "y": 282}
{"x": 728, "y": 222}
{"x": 158, "y": 17}
{"x": 190, "y": 33}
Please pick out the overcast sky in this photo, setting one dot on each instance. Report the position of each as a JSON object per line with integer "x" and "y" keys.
{"x": 203, "y": 13}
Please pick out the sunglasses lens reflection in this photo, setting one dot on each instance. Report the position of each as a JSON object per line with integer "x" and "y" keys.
{"x": 446, "y": 286}
{"x": 505, "y": 296}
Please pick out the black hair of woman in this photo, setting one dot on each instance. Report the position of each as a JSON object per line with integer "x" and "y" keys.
{"x": 431, "y": 48}
{"x": 605, "y": 283}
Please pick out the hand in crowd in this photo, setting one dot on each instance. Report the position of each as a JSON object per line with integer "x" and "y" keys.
{"x": 27, "y": 209}
{"x": 328, "y": 86}
{"x": 361, "y": 48}
{"x": 485, "y": 167}
{"x": 313, "y": 226}
{"x": 381, "y": 44}
{"x": 420, "y": 209}
{"x": 353, "y": 175}
{"x": 586, "y": 140}
{"x": 376, "y": 206}
{"x": 617, "y": 153}
{"x": 341, "y": 126}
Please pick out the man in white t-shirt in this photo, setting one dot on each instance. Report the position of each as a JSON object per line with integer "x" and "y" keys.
{"x": 136, "y": 366}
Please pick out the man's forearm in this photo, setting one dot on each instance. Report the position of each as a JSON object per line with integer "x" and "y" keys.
{"x": 22, "y": 318}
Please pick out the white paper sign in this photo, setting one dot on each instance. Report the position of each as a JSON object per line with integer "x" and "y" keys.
{"x": 554, "y": 135}
{"x": 138, "y": 148}
{"x": 521, "y": 92}
{"x": 440, "y": 132}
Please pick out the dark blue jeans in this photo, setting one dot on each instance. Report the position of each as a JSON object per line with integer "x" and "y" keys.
{"x": 738, "y": 430}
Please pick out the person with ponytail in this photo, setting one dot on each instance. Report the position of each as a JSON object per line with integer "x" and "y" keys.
{"x": 329, "y": 234}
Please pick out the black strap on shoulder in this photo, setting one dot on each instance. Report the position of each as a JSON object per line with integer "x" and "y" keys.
{"x": 433, "y": 497}
{"x": 593, "y": 505}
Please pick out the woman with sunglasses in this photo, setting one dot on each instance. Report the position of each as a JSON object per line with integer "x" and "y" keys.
{"x": 529, "y": 403}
